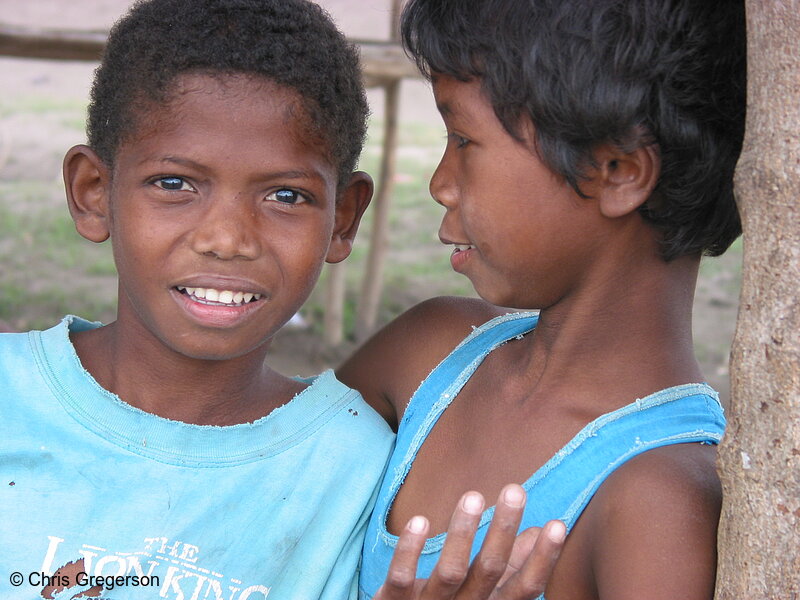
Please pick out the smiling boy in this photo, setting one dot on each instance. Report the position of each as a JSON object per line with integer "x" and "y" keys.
{"x": 221, "y": 214}
{"x": 222, "y": 140}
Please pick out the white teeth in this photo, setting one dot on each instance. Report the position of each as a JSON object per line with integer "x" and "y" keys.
{"x": 462, "y": 247}
{"x": 219, "y": 296}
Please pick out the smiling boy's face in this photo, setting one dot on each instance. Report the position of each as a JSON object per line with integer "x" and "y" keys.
{"x": 222, "y": 210}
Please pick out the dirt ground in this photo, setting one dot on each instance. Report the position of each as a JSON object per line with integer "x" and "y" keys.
{"x": 35, "y": 145}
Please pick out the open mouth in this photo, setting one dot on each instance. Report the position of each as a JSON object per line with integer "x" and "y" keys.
{"x": 214, "y": 297}
{"x": 460, "y": 256}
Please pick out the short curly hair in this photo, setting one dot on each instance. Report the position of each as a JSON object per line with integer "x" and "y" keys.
{"x": 628, "y": 72}
{"x": 291, "y": 42}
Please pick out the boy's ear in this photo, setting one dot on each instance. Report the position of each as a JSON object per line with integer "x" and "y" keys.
{"x": 350, "y": 207}
{"x": 622, "y": 181}
{"x": 88, "y": 183}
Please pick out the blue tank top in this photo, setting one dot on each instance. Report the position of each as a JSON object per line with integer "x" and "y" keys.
{"x": 563, "y": 486}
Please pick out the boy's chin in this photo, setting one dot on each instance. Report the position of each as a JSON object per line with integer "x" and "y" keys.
{"x": 222, "y": 352}
{"x": 216, "y": 345}
{"x": 492, "y": 295}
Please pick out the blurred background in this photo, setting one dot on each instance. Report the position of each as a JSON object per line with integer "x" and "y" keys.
{"x": 47, "y": 270}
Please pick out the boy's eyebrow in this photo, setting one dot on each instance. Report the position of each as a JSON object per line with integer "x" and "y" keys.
{"x": 444, "y": 108}
{"x": 293, "y": 174}
{"x": 185, "y": 162}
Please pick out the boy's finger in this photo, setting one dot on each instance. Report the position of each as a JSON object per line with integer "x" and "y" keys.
{"x": 401, "y": 577}
{"x": 531, "y": 580}
{"x": 523, "y": 546}
{"x": 453, "y": 564}
{"x": 493, "y": 559}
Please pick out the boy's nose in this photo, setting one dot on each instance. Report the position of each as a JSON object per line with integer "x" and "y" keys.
{"x": 227, "y": 231}
{"x": 442, "y": 187}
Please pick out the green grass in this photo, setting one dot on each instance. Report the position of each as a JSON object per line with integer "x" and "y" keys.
{"x": 102, "y": 267}
{"x": 48, "y": 270}
{"x": 22, "y": 195}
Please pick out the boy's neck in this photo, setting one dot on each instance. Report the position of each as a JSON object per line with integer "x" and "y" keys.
{"x": 627, "y": 340}
{"x": 154, "y": 379}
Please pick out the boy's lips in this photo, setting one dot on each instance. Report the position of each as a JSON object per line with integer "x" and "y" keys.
{"x": 461, "y": 254}
{"x": 213, "y": 296}
{"x": 219, "y": 303}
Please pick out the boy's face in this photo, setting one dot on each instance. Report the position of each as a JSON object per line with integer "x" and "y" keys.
{"x": 222, "y": 210}
{"x": 520, "y": 231}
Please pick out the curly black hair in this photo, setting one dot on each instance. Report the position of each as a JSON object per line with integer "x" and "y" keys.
{"x": 628, "y": 72}
{"x": 291, "y": 42}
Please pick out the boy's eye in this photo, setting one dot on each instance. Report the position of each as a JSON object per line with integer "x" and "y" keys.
{"x": 173, "y": 184}
{"x": 287, "y": 196}
{"x": 459, "y": 141}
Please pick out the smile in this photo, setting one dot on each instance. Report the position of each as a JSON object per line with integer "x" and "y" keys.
{"x": 460, "y": 256}
{"x": 216, "y": 297}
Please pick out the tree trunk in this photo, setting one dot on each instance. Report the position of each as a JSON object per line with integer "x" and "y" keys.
{"x": 759, "y": 539}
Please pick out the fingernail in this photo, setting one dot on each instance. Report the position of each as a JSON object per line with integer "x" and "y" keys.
{"x": 472, "y": 504}
{"x": 514, "y": 496}
{"x": 557, "y": 531}
{"x": 417, "y": 524}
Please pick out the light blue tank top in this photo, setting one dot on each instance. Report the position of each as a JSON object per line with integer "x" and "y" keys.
{"x": 563, "y": 486}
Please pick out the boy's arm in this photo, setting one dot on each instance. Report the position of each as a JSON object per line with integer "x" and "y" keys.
{"x": 389, "y": 367}
{"x": 654, "y": 527}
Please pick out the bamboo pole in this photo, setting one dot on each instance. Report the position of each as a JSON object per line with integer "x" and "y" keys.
{"x": 372, "y": 283}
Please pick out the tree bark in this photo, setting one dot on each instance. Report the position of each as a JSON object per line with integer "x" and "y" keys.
{"x": 759, "y": 538}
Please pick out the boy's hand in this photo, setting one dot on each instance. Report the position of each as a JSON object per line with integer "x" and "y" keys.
{"x": 508, "y": 567}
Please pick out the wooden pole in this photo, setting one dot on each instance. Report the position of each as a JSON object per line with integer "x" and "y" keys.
{"x": 381, "y": 62}
{"x": 31, "y": 42}
{"x": 333, "y": 333}
{"x": 372, "y": 284}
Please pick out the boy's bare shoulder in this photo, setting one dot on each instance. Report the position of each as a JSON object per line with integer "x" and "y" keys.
{"x": 389, "y": 367}
{"x": 684, "y": 467}
{"x": 662, "y": 485}
{"x": 450, "y": 317}
{"x": 652, "y": 526}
